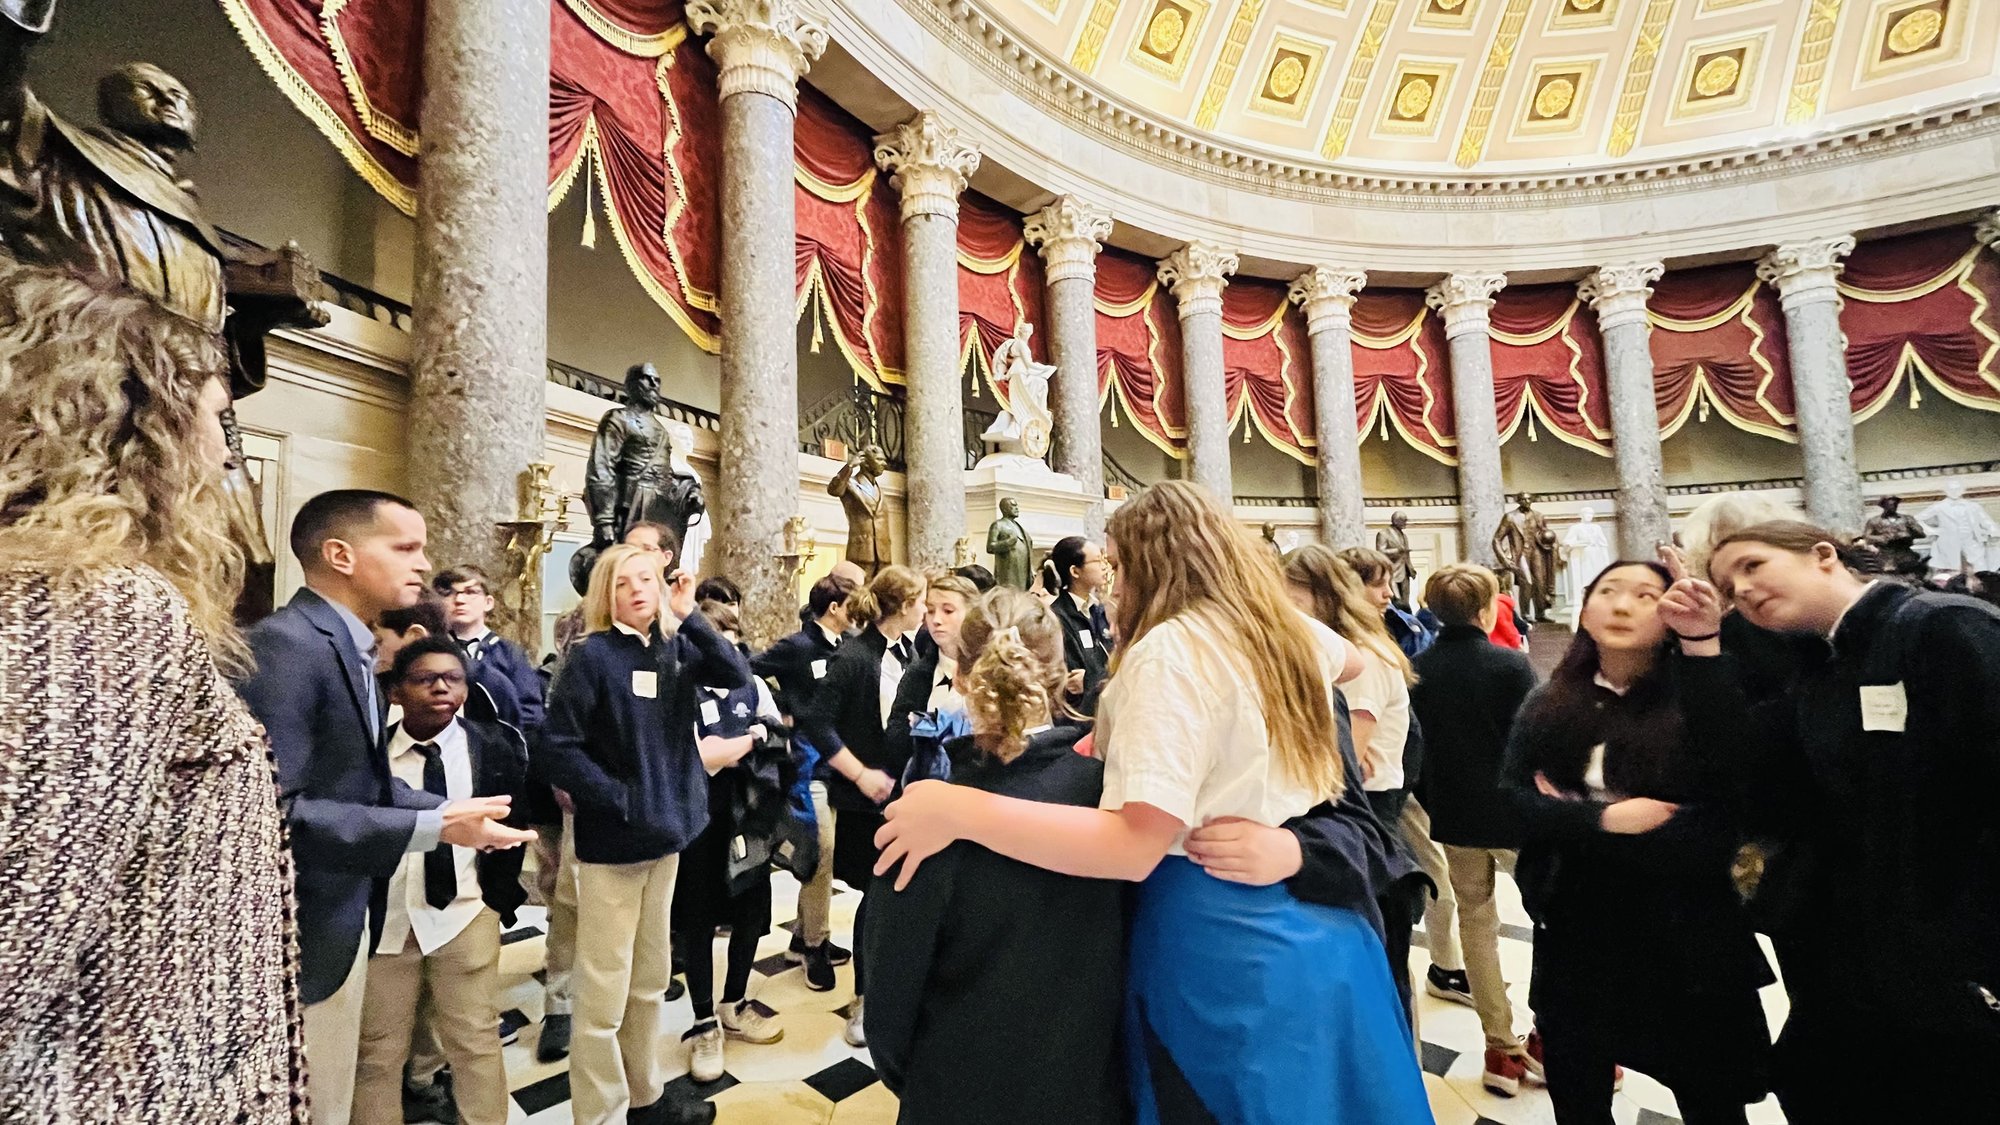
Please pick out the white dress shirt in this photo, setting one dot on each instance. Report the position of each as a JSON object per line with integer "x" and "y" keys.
{"x": 409, "y": 913}
{"x": 892, "y": 677}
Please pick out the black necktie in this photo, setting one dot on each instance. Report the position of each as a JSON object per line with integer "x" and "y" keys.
{"x": 904, "y": 651}
{"x": 440, "y": 863}
{"x": 475, "y": 649}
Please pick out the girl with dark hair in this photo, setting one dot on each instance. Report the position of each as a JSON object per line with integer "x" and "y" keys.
{"x": 1627, "y": 768}
{"x": 1888, "y": 748}
{"x": 1074, "y": 572}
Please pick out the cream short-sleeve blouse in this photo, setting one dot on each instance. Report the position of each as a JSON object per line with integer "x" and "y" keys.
{"x": 1181, "y": 728}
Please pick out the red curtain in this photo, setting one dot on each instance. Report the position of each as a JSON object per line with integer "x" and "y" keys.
{"x": 1138, "y": 347}
{"x": 1719, "y": 341}
{"x": 1548, "y": 365}
{"x": 850, "y": 258}
{"x": 1400, "y": 373}
{"x": 1922, "y": 306}
{"x": 1000, "y": 285}
{"x": 1267, "y": 365}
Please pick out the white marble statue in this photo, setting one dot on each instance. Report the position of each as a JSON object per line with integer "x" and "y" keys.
{"x": 1965, "y": 537}
{"x": 680, "y": 438}
{"x": 1022, "y": 430}
{"x": 1586, "y": 551}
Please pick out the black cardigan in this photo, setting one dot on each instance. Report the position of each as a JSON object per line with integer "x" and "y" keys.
{"x": 1094, "y": 660}
{"x": 630, "y": 764}
{"x": 847, "y": 712}
{"x": 983, "y": 957}
{"x": 1467, "y": 692}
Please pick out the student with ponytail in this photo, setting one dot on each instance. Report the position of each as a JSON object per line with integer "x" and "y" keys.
{"x": 846, "y": 722}
{"x": 1075, "y": 572}
{"x": 982, "y": 954}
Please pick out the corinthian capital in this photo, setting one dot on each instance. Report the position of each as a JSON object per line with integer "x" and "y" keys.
{"x": 1068, "y": 232}
{"x": 759, "y": 46}
{"x": 1806, "y": 272}
{"x": 1618, "y": 293}
{"x": 1327, "y": 295}
{"x": 1987, "y": 230}
{"x": 928, "y": 163}
{"x": 1196, "y": 273}
{"x": 1466, "y": 300}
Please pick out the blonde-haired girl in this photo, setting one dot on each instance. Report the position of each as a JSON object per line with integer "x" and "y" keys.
{"x": 1220, "y": 709}
{"x": 982, "y": 953}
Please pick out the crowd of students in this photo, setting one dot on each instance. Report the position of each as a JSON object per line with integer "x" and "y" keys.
{"x": 1147, "y": 844}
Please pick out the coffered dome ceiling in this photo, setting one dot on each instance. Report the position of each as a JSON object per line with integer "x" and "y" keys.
{"x": 1519, "y": 86}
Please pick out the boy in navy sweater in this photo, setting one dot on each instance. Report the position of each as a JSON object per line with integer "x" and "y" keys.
{"x": 620, "y": 740}
{"x": 495, "y": 662}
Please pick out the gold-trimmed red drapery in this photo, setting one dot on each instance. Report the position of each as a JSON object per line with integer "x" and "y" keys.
{"x": 1548, "y": 365}
{"x": 1267, "y": 366}
{"x": 850, "y": 259}
{"x": 1718, "y": 342}
{"x": 1138, "y": 349}
{"x": 1000, "y": 287}
{"x": 1921, "y": 308}
{"x": 1400, "y": 371}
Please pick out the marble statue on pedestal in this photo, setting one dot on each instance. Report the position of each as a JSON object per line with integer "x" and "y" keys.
{"x": 1586, "y": 551}
{"x": 1022, "y": 431}
{"x": 1524, "y": 545}
{"x": 694, "y": 542}
{"x": 1011, "y": 546}
{"x": 1394, "y": 542}
{"x": 858, "y": 484}
{"x": 1965, "y": 535}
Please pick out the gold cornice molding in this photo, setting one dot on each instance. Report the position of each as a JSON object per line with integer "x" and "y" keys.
{"x": 1022, "y": 67}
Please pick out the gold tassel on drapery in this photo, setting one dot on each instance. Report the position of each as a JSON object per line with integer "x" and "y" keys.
{"x": 589, "y": 208}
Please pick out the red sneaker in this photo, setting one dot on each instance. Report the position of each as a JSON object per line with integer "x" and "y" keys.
{"x": 1504, "y": 1072}
{"x": 1535, "y": 1052}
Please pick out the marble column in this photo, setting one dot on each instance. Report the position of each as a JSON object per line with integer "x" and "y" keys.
{"x": 1618, "y": 295}
{"x": 1327, "y": 295}
{"x": 1196, "y": 273}
{"x": 1466, "y": 300}
{"x": 1804, "y": 274}
{"x": 760, "y": 48}
{"x": 1068, "y": 233}
{"x": 479, "y": 328}
{"x": 929, "y": 164}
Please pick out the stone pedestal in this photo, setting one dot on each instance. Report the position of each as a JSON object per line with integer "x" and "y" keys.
{"x": 1618, "y": 294}
{"x": 1196, "y": 273}
{"x": 1053, "y": 504}
{"x": 479, "y": 329}
{"x": 1805, "y": 276}
{"x": 1466, "y": 300}
{"x": 929, "y": 165}
{"x": 761, "y": 48}
{"x": 1327, "y": 294}
{"x": 1068, "y": 232}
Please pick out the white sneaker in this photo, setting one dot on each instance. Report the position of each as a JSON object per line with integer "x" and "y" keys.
{"x": 752, "y": 1021}
{"x": 855, "y": 1035}
{"x": 704, "y": 1051}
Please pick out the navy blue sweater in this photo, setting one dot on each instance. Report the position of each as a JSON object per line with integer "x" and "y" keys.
{"x": 629, "y": 762}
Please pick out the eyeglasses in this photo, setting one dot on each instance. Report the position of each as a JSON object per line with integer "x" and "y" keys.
{"x": 466, "y": 592}
{"x": 428, "y": 680}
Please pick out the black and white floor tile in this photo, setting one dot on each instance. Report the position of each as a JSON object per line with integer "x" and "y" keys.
{"x": 811, "y": 1076}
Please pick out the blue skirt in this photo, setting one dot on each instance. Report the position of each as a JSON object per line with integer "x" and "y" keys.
{"x": 1245, "y": 1006}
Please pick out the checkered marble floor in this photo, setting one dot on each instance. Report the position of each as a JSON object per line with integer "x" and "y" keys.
{"x": 812, "y": 1077}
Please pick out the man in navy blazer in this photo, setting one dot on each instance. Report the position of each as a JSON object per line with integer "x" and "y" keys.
{"x": 350, "y": 823}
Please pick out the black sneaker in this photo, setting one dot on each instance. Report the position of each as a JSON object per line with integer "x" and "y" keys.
{"x": 796, "y": 954}
{"x": 1449, "y": 985}
{"x": 511, "y": 1023}
{"x": 819, "y": 969}
{"x": 676, "y": 988}
{"x": 554, "y": 1044}
{"x": 430, "y": 1103}
{"x": 672, "y": 1111}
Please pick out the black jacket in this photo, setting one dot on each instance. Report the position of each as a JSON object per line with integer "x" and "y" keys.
{"x": 847, "y": 712}
{"x": 499, "y": 757}
{"x": 1467, "y": 692}
{"x": 349, "y": 822}
{"x": 791, "y": 662}
{"x": 630, "y": 763}
{"x": 1901, "y": 911}
{"x": 1094, "y": 658}
{"x": 984, "y": 957}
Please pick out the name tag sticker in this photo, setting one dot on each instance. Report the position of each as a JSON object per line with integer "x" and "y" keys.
{"x": 1084, "y": 638}
{"x": 1884, "y": 707}
{"x": 710, "y": 713}
{"x": 819, "y": 669}
{"x": 646, "y": 685}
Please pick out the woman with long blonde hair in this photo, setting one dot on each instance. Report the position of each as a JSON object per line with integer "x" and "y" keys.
{"x": 138, "y": 786}
{"x": 1220, "y": 708}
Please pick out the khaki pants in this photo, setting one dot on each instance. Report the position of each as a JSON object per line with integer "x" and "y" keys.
{"x": 816, "y": 897}
{"x": 333, "y": 1038}
{"x": 555, "y": 888}
{"x": 1473, "y": 874}
{"x": 1440, "y": 913}
{"x": 623, "y": 967}
{"x": 462, "y": 982}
